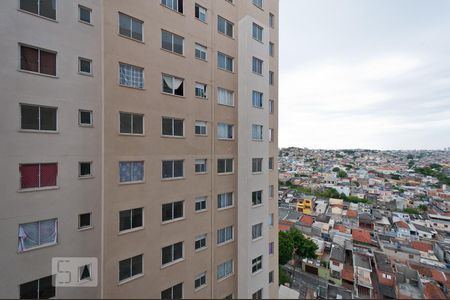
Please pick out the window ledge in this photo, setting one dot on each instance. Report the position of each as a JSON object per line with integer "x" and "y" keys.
{"x": 227, "y": 105}
{"x": 173, "y": 52}
{"x": 175, "y": 11}
{"x": 132, "y": 87}
{"x": 130, "y": 230}
{"x": 130, "y": 38}
{"x": 201, "y": 173}
{"x": 132, "y": 134}
{"x": 259, "y": 107}
{"x": 201, "y": 59}
{"x": 201, "y": 249}
{"x": 198, "y": 19}
{"x": 225, "y": 243}
{"x": 225, "y": 208}
{"x": 257, "y": 205}
{"x": 257, "y": 173}
{"x": 257, "y": 140}
{"x": 85, "y": 23}
{"x": 226, "y": 35}
{"x": 225, "y": 278}
{"x": 173, "y": 221}
{"x": 172, "y": 263}
{"x": 37, "y": 15}
{"x": 257, "y": 272}
{"x": 201, "y": 135}
{"x": 173, "y": 179}
{"x": 172, "y": 136}
{"x": 225, "y": 139}
{"x": 258, "y": 74}
{"x": 173, "y": 95}
{"x": 86, "y": 125}
{"x": 261, "y": 42}
{"x": 225, "y": 70}
{"x": 49, "y": 188}
{"x": 257, "y": 239}
{"x": 225, "y": 174}
{"x": 132, "y": 182}
{"x": 86, "y": 74}
{"x": 201, "y": 211}
{"x": 39, "y": 247}
{"x": 85, "y": 228}
{"x": 201, "y": 98}
{"x": 39, "y": 131}
{"x": 37, "y": 73}
{"x": 86, "y": 177}
{"x": 130, "y": 279}
{"x": 200, "y": 288}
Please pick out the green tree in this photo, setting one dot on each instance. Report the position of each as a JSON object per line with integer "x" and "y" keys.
{"x": 410, "y": 156}
{"x": 285, "y": 248}
{"x": 411, "y": 211}
{"x": 284, "y": 277}
{"x": 336, "y": 169}
{"x": 423, "y": 207}
{"x": 342, "y": 174}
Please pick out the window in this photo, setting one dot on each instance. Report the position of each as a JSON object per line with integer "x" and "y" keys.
{"x": 200, "y": 242}
{"x": 200, "y": 52}
{"x": 258, "y": 294}
{"x": 172, "y": 127}
{"x": 175, "y": 5}
{"x": 257, "y": 32}
{"x": 131, "y": 27}
{"x": 176, "y": 291}
{"x": 257, "y": 99}
{"x": 172, "y": 85}
{"x": 84, "y": 66}
{"x": 131, "y": 219}
{"x": 271, "y": 248}
{"x": 85, "y": 169}
{"x": 257, "y": 264}
{"x": 224, "y": 62}
{"x": 85, "y": 117}
{"x": 35, "y": 117}
{"x": 224, "y": 200}
{"x": 200, "y": 204}
{"x": 224, "y": 235}
{"x": 37, "y": 60}
{"x": 200, "y": 280}
{"x": 271, "y": 133}
{"x": 257, "y": 66}
{"x": 131, "y": 171}
{"x": 271, "y": 20}
{"x": 256, "y": 232}
{"x": 257, "y": 132}
{"x": 84, "y": 221}
{"x": 84, "y": 273}
{"x": 200, "y": 90}
{"x": 172, "y": 42}
{"x": 200, "y": 12}
{"x": 38, "y": 175}
{"x": 271, "y": 106}
{"x": 84, "y": 14}
{"x": 271, "y": 191}
{"x": 172, "y": 211}
{"x": 225, "y": 269}
{"x": 42, "y": 288}
{"x": 43, "y": 8}
{"x": 131, "y": 123}
{"x": 225, "y": 131}
{"x": 258, "y": 3}
{"x": 131, "y": 267}
{"x": 172, "y": 253}
{"x": 225, "y": 97}
{"x": 270, "y": 163}
{"x": 172, "y": 169}
{"x": 271, "y": 276}
{"x": 224, "y": 26}
{"x": 200, "y": 166}
{"x": 37, "y": 234}
{"x": 257, "y": 198}
{"x": 225, "y": 166}
{"x": 270, "y": 220}
{"x": 201, "y": 128}
{"x": 257, "y": 165}
{"x": 271, "y": 77}
{"x": 131, "y": 76}
{"x": 271, "y": 49}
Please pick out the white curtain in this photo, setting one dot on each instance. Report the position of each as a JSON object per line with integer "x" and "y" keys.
{"x": 222, "y": 130}
{"x": 225, "y": 97}
{"x": 168, "y": 81}
{"x": 36, "y": 234}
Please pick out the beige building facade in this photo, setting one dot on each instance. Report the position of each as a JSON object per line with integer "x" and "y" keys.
{"x": 142, "y": 133}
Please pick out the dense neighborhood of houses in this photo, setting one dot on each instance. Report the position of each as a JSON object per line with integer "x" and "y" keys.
{"x": 380, "y": 220}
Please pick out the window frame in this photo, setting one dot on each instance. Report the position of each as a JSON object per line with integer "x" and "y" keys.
{"x": 82, "y": 7}
{"x": 257, "y": 98}
{"x": 39, "y": 50}
{"x": 134, "y": 68}
{"x": 173, "y": 170}
{"x": 40, "y": 245}
{"x": 271, "y": 106}
{"x": 226, "y": 274}
{"x": 132, "y": 229}
{"x": 80, "y": 60}
{"x": 199, "y": 7}
{"x": 226, "y": 24}
{"x": 198, "y": 238}
{"x": 204, "y": 88}
{"x": 132, "y": 115}
{"x": 90, "y": 175}
{"x": 172, "y": 127}
{"x": 258, "y": 5}
{"x": 173, "y": 36}
{"x": 201, "y": 199}
{"x": 173, "y": 260}
{"x": 91, "y": 117}
{"x": 38, "y": 14}
{"x": 228, "y": 92}
{"x": 227, "y": 161}
{"x": 86, "y": 227}
{"x": 228, "y": 131}
{"x": 172, "y": 207}
{"x": 205, "y": 164}
{"x": 258, "y": 170}
{"x": 177, "y": 10}
{"x": 171, "y": 291}
{"x": 257, "y": 264}
{"x": 257, "y": 198}
{"x": 201, "y": 49}
{"x": 259, "y": 130}
{"x": 257, "y": 231}
{"x": 131, "y": 27}
{"x": 40, "y": 186}
{"x": 257, "y": 64}
{"x": 132, "y": 277}
{"x": 229, "y": 200}
{"x": 226, "y": 57}
{"x": 38, "y": 286}
{"x": 39, "y": 118}
{"x": 173, "y": 90}
{"x": 228, "y": 235}
{"x": 133, "y": 181}
{"x": 257, "y": 32}
{"x": 196, "y": 124}
{"x": 203, "y": 283}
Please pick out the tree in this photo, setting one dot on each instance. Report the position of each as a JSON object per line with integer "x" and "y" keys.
{"x": 342, "y": 174}
{"x": 284, "y": 277}
{"x": 411, "y": 211}
{"x": 410, "y": 156}
{"x": 423, "y": 207}
{"x": 285, "y": 248}
{"x": 336, "y": 169}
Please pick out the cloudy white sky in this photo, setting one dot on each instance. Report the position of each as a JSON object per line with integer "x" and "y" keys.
{"x": 365, "y": 74}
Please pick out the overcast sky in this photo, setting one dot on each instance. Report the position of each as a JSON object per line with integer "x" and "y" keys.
{"x": 365, "y": 74}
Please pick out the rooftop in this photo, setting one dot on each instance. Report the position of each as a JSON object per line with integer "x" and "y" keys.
{"x": 306, "y": 220}
{"x": 383, "y": 263}
{"x": 362, "y": 236}
{"x": 337, "y": 253}
{"x": 361, "y": 261}
{"x": 352, "y": 214}
{"x": 432, "y": 291}
{"x": 422, "y": 246}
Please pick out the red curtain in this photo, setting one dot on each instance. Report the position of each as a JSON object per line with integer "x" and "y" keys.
{"x": 48, "y": 63}
{"x": 48, "y": 174}
{"x": 29, "y": 176}
{"x": 29, "y": 59}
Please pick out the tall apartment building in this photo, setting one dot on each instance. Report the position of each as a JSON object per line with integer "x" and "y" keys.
{"x": 142, "y": 133}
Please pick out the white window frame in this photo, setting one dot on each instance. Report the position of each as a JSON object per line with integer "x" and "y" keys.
{"x": 80, "y": 7}
{"x": 202, "y": 199}
{"x": 132, "y": 229}
{"x": 173, "y": 35}
{"x": 173, "y": 127}
{"x": 200, "y": 13}
{"x": 262, "y": 168}
{"x": 203, "y": 50}
{"x": 228, "y": 235}
{"x": 257, "y": 231}
{"x": 39, "y": 117}
{"x": 91, "y": 114}
{"x": 172, "y": 206}
{"x": 132, "y": 123}
{"x": 173, "y": 260}
{"x": 257, "y": 32}
{"x": 257, "y": 132}
{"x": 228, "y": 93}
{"x": 226, "y": 164}
{"x": 173, "y": 90}
{"x": 226, "y": 274}
{"x": 198, "y": 238}
{"x": 258, "y": 263}
{"x": 228, "y": 128}
{"x": 201, "y": 125}
{"x": 131, "y": 269}
{"x": 204, "y": 88}
{"x": 260, "y": 193}
{"x": 225, "y": 198}
{"x": 257, "y": 99}
{"x": 134, "y": 83}
{"x": 131, "y": 27}
{"x": 204, "y": 163}
{"x": 173, "y": 169}
{"x": 257, "y": 64}
{"x": 226, "y": 57}
{"x": 199, "y": 277}
{"x": 226, "y": 22}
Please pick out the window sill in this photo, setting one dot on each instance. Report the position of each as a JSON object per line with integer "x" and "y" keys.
{"x": 132, "y": 87}
{"x": 257, "y": 205}
{"x": 261, "y": 42}
{"x": 39, "y": 131}
{"x": 39, "y": 247}
{"x": 131, "y": 182}
{"x": 130, "y": 230}
{"x": 201, "y": 135}
{"x": 227, "y": 105}
{"x": 130, "y": 38}
{"x": 86, "y": 177}
{"x": 225, "y": 70}
{"x": 257, "y": 272}
{"x": 85, "y": 23}
{"x": 201, "y": 249}
{"x": 173, "y": 179}
{"x": 257, "y": 140}
{"x": 225, "y": 140}
{"x": 39, "y": 74}
{"x": 201, "y": 98}
{"x": 86, "y": 74}
{"x": 200, "y": 288}
{"x": 37, "y": 15}
{"x": 173, "y": 221}
{"x": 257, "y": 239}
{"x": 258, "y": 107}
{"x": 132, "y": 134}
{"x": 261, "y": 75}
{"x": 202, "y": 173}
{"x": 226, "y": 35}
{"x": 173, "y": 52}
{"x": 172, "y": 263}
{"x": 49, "y": 188}
{"x": 204, "y": 22}
{"x": 130, "y": 279}
{"x": 257, "y": 173}
{"x": 225, "y": 243}
{"x": 225, "y": 278}
{"x": 173, "y": 95}
{"x": 225, "y": 208}
{"x": 225, "y": 174}
{"x": 172, "y": 136}
{"x": 86, "y": 125}
{"x": 201, "y": 211}
{"x": 85, "y": 228}
{"x": 201, "y": 59}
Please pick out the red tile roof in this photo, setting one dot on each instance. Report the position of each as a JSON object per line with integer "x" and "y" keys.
{"x": 341, "y": 228}
{"x": 422, "y": 246}
{"x": 362, "y": 236}
{"x": 402, "y": 224}
{"x": 284, "y": 225}
{"x": 306, "y": 220}
{"x": 423, "y": 270}
{"x": 352, "y": 214}
{"x": 439, "y": 276}
{"x": 432, "y": 291}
